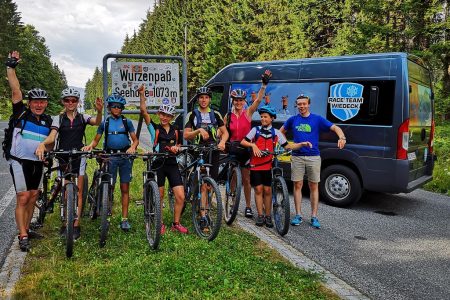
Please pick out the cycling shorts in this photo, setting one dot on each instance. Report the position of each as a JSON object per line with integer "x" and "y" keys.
{"x": 260, "y": 178}
{"x": 26, "y": 174}
{"x": 172, "y": 173}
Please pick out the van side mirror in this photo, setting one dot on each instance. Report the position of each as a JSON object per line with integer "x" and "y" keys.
{"x": 373, "y": 100}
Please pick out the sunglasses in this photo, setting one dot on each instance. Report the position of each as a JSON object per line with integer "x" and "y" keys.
{"x": 116, "y": 106}
{"x": 70, "y": 101}
{"x": 239, "y": 99}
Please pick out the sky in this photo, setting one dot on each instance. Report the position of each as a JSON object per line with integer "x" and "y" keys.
{"x": 79, "y": 33}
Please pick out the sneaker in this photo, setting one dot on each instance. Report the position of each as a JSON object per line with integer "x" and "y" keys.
{"x": 248, "y": 212}
{"x": 76, "y": 232}
{"x": 34, "y": 235}
{"x": 163, "y": 229}
{"x": 259, "y": 220}
{"x": 297, "y": 220}
{"x": 315, "y": 222}
{"x": 24, "y": 244}
{"x": 204, "y": 224}
{"x": 125, "y": 225}
{"x": 180, "y": 228}
{"x": 268, "y": 221}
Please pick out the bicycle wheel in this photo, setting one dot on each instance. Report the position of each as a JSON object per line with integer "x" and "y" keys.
{"x": 71, "y": 198}
{"x": 85, "y": 194}
{"x": 152, "y": 214}
{"x": 105, "y": 193}
{"x": 41, "y": 206}
{"x": 208, "y": 227}
{"x": 280, "y": 205}
{"x": 233, "y": 187}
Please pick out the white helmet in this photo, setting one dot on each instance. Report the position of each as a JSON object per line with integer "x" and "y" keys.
{"x": 167, "y": 109}
{"x": 70, "y": 92}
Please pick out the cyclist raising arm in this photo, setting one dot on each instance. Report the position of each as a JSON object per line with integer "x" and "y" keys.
{"x": 166, "y": 138}
{"x": 70, "y": 127}
{"x": 238, "y": 123}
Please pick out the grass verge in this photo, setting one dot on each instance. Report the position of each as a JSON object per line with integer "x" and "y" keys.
{"x": 234, "y": 266}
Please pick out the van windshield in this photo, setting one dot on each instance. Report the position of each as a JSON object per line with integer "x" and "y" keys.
{"x": 420, "y": 101}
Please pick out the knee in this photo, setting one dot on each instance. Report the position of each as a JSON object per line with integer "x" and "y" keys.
{"x": 267, "y": 190}
{"x": 313, "y": 186}
{"x": 298, "y": 184}
{"x": 258, "y": 190}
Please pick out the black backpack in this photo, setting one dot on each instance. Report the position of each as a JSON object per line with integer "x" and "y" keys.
{"x": 7, "y": 141}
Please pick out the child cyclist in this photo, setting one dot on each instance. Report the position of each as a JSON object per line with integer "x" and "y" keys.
{"x": 261, "y": 138}
{"x": 166, "y": 138}
{"x": 117, "y": 130}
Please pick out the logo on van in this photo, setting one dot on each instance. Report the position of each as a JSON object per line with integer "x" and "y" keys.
{"x": 345, "y": 99}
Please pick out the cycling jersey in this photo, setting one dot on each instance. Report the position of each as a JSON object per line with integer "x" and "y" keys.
{"x": 239, "y": 126}
{"x": 25, "y": 142}
{"x": 264, "y": 141}
{"x": 118, "y": 135}
{"x": 70, "y": 132}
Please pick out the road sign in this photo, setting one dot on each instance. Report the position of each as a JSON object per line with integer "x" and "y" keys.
{"x": 162, "y": 82}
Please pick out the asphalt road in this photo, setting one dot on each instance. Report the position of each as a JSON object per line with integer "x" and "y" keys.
{"x": 7, "y": 223}
{"x": 386, "y": 246}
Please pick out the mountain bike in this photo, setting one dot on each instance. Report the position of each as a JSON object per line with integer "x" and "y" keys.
{"x": 206, "y": 214}
{"x": 68, "y": 192}
{"x": 100, "y": 194}
{"x": 230, "y": 177}
{"x": 151, "y": 198}
{"x": 280, "y": 195}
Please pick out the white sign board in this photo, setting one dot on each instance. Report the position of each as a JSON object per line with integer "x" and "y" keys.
{"x": 161, "y": 80}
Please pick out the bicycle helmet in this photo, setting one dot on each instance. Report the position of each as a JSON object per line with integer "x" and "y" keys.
{"x": 268, "y": 109}
{"x": 167, "y": 109}
{"x": 204, "y": 91}
{"x": 238, "y": 93}
{"x": 70, "y": 92}
{"x": 116, "y": 98}
{"x": 37, "y": 94}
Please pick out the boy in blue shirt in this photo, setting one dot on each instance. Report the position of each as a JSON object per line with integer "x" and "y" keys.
{"x": 118, "y": 129}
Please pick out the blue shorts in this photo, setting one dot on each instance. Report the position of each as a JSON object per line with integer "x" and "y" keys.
{"x": 125, "y": 167}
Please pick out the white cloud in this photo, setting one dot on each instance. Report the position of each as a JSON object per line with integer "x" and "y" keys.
{"x": 79, "y": 33}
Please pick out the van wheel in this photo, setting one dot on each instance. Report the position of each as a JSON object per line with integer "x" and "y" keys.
{"x": 340, "y": 186}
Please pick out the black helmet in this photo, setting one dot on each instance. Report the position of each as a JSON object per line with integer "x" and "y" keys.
{"x": 204, "y": 91}
{"x": 37, "y": 94}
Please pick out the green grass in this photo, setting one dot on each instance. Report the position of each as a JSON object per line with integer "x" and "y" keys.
{"x": 236, "y": 265}
{"x": 441, "y": 172}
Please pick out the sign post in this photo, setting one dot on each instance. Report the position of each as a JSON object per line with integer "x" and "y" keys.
{"x": 161, "y": 79}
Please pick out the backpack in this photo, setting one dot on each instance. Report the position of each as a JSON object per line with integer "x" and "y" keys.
{"x": 83, "y": 122}
{"x": 212, "y": 118}
{"x": 272, "y": 131}
{"x": 12, "y": 123}
{"x": 107, "y": 133}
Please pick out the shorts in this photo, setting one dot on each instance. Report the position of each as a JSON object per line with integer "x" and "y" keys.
{"x": 124, "y": 166}
{"x": 305, "y": 164}
{"x": 263, "y": 177}
{"x": 78, "y": 165}
{"x": 172, "y": 173}
{"x": 26, "y": 174}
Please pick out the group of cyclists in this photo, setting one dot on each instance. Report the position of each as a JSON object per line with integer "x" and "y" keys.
{"x": 35, "y": 133}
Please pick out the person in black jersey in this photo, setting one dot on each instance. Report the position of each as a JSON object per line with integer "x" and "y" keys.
{"x": 166, "y": 138}
{"x": 68, "y": 130}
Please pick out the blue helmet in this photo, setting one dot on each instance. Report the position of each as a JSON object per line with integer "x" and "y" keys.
{"x": 116, "y": 98}
{"x": 268, "y": 109}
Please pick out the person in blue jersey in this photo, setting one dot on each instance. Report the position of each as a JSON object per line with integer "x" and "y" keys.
{"x": 306, "y": 127}
{"x": 118, "y": 130}
{"x": 166, "y": 139}
{"x": 30, "y": 127}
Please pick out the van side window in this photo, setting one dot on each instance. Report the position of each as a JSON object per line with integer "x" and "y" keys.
{"x": 216, "y": 100}
{"x": 376, "y": 107}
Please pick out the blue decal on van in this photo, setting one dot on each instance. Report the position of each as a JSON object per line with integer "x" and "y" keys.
{"x": 345, "y": 100}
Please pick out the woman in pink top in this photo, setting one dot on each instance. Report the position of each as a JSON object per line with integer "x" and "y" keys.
{"x": 238, "y": 123}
